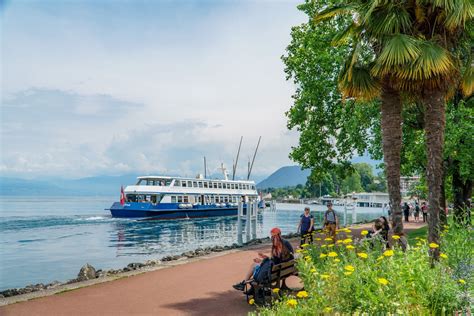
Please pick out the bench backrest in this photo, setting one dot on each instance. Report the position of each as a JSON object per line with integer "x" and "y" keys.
{"x": 283, "y": 270}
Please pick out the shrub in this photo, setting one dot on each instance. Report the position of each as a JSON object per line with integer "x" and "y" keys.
{"x": 351, "y": 278}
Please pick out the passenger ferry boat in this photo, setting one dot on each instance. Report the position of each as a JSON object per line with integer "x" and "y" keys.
{"x": 164, "y": 197}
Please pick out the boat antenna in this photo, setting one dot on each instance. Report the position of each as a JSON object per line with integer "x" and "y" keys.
{"x": 205, "y": 168}
{"x": 234, "y": 167}
{"x": 253, "y": 160}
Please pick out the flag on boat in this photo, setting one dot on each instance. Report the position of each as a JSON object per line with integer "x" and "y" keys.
{"x": 122, "y": 196}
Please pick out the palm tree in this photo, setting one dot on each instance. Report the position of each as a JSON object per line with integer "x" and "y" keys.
{"x": 413, "y": 52}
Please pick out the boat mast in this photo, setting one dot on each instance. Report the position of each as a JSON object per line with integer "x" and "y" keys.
{"x": 253, "y": 160}
{"x": 205, "y": 168}
{"x": 234, "y": 167}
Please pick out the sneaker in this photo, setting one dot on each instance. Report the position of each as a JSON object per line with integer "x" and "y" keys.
{"x": 239, "y": 286}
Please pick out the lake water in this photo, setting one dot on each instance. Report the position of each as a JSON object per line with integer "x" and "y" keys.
{"x": 43, "y": 239}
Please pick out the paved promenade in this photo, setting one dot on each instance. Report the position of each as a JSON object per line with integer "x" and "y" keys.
{"x": 200, "y": 287}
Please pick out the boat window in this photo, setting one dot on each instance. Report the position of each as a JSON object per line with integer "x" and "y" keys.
{"x": 195, "y": 185}
{"x": 220, "y": 185}
{"x": 200, "y": 184}
{"x": 226, "y": 199}
{"x": 131, "y": 198}
{"x": 168, "y": 183}
{"x": 183, "y": 183}
{"x": 186, "y": 199}
{"x": 173, "y": 199}
{"x": 214, "y": 185}
{"x": 153, "y": 199}
{"x": 180, "y": 199}
{"x": 205, "y": 184}
{"x": 227, "y": 185}
{"x": 177, "y": 183}
{"x": 190, "y": 184}
{"x": 239, "y": 186}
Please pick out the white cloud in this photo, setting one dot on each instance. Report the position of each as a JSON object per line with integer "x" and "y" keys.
{"x": 94, "y": 90}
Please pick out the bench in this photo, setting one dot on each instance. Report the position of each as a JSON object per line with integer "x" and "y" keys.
{"x": 278, "y": 280}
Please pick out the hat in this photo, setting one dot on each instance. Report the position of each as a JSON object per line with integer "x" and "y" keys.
{"x": 275, "y": 231}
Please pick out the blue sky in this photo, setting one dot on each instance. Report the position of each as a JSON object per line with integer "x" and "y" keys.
{"x": 114, "y": 87}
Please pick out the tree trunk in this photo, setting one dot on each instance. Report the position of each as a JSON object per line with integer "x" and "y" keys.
{"x": 391, "y": 109}
{"x": 435, "y": 121}
{"x": 462, "y": 191}
{"x": 443, "y": 218}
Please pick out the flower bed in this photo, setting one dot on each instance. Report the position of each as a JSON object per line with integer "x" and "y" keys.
{"x": 351, "y": 277}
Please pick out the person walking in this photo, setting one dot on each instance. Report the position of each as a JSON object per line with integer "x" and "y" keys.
{"x": 305, "y": 227}
{"x": 331, "y": 222}
{"x": 424, "y": 210}
{"x": 417, "y": 212}
{"x": 406, "y": 212}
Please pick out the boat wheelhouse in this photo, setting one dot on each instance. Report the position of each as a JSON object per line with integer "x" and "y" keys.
{"x": 165, "y": 197}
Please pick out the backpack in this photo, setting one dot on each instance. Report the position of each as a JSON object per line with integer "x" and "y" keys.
{"x": 264, "y": 274}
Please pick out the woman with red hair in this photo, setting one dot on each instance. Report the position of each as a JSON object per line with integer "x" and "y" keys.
{"x": 282, "y": 251}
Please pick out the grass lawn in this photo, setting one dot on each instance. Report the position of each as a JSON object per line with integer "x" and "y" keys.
{"x": 420, "y": 232}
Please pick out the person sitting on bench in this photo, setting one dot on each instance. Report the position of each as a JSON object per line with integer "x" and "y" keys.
{"x": 282, "y": 251}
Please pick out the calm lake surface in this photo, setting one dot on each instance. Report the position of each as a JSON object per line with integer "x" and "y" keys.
{"x": 43, "y": 239}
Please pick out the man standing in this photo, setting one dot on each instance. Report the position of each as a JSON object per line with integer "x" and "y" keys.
{"x": 424, "y": 210}
{"x": 331, "y": 222}
{"x": 406, "y": 211}
{"x": 306, "y": 226}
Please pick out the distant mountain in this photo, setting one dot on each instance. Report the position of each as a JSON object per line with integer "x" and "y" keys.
{"x": 100, "y": 185}
{"x": 284, "y": 177}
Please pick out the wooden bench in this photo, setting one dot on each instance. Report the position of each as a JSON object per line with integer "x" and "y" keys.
{"x": 280, "y": 272}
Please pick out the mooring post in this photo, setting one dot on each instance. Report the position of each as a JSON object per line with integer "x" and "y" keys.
{"x": 254, "y": 219}
{"x": 345, "y": 214}
{"x": 354, "y": 213}
{"x": 248, "y": 211}
{"x": 240, "y": 212}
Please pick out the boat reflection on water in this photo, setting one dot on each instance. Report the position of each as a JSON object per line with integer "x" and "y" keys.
{"x": 169, "y": 237}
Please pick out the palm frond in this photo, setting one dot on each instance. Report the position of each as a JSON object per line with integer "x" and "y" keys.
{"x": 399, "y": 50}
{"x": 467, "y": 82}
{"x": 388, "y": 19}
{"x": 331, "y": 12}
{"x": 361, "y": 84}
{"x": 456, "y": 13}
{"x": 353, "y": 30}
{"x": 433, "y": 61}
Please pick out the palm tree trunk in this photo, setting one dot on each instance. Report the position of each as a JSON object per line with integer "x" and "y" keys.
{"x": 391, "y": 109}
{"x": 435, "y": 121}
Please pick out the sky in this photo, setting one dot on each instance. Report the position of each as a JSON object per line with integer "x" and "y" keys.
{"x": 150, "y": 87}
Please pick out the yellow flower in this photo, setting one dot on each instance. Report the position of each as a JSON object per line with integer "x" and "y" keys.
{"x": 307, "y": 258}
{"x": 299, "y": 250}
{"x": 330, "y": 245}
{"x": 349, "y": 268}
{"x": 350, "y": 247}
{"x": 323, "y": 255}
{"x": 379, "y": 258}
{"x": 332, "y": 254}
{"x": 348, "y": 231}
{"x": 323, "y": 246}
{"x": 304, "y": 245}
{"x": 313, "y": 270}
{"x": 251, "y": 301}
{"x": 362, "y": 255}
{"x": 462, "y": 281}
{"x": 337, "y": 260}
{"x": 317, "y": 238}
{"x": 443, "y": 255}
{"x": 327, "y": 309}
{"x": 302, "y": 294}
{"x": 291, "y": 302}
{"x": 328, "y": 239}
{"x": 339, "y": 241}
{"x": 445, "y": 226}
{"x": 396, "y": 237}
{"x": 416, "y": 248}
{"x": 347, "y": 273}
{"x": 347, "y": 241}
{"x": 418, "y": 244}
{"x": 383, "y": 281}
{"x": 364, "y": 232}
{"x": 433, "y": 245}
{"x": 388, "y": 253}
{"x": 325, "y": 276}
